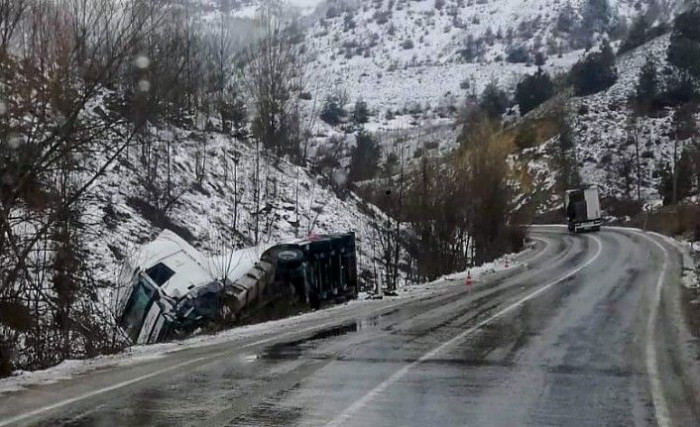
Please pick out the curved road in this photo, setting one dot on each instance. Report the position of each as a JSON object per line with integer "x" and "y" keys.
{"x": 591, "y": 333}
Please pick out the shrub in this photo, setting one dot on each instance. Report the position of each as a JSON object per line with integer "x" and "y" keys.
{"x": 518, "y": 54}
{"x": 332, "y": 111}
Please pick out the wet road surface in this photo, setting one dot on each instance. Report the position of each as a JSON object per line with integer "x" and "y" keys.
{"x": 578, "y": 338}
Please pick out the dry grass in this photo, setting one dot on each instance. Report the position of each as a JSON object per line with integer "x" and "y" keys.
{"x": 681, "y": 220}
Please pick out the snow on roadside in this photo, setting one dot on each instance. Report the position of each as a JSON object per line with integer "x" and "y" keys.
{"x": 690, "y": 253}
{"x": 506, "y": 263}
{"x": 143, "y": 353}
{"x": 691, "y": 264}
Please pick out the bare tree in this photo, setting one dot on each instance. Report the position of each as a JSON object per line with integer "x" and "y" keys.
{"x": 633, "y": 136}
{"x": 11, "y": 13}
{"x": 56, "y": 141}
{"x": 272, "y": 77}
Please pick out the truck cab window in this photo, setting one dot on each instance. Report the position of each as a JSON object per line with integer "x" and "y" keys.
{"x": 160, "y": 273}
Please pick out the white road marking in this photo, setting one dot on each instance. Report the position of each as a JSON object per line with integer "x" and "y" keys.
{"x": 661, "y": 412}
{"x": 370, "y": 396}
{"x": 44, "y": 409}
{"x": 210, "y": 358}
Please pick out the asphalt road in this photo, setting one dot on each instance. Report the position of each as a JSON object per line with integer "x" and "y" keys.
{"x": 591, "y": 333}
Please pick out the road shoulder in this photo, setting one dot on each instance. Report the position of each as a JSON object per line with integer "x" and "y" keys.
{"x": 678, "y": 338}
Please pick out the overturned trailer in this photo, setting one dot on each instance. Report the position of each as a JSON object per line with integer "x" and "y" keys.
{"x": 173, "y": 290}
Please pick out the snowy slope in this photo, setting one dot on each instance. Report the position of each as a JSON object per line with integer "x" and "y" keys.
{"x": 398, "y": 52}
{"x": 600, "y": 125}
{"x": 292, "y": 205}
{"x": 406, "y": 59}
{"x": 602, "y": 132}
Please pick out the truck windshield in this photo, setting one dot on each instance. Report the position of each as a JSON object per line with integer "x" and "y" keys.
{"x": 136, "y": 309}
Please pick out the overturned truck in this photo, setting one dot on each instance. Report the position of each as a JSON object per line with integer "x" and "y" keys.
{"x": 173, "y": 290}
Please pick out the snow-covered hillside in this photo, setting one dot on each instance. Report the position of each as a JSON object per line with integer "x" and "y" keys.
{"x": 399, "y": 53}
{"x": 604, "y": 131}
{"x": 213, "y": 176}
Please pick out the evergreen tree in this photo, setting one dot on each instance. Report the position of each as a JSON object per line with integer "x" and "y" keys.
{"x": 540, "y": 59}
{"x": 684, "y": 49}
{"x": 596, "y": 72}
{"x": 680, "y": 89}
{"x": 684, "y": 177}
{"x": 684, "y": 124}
{"x": 648, "y": 83}
{"x": 332, "y": 112}
{"x": 566, "y": 19}
{"x": 533, "y": 91}
{"x": 597, "y": 16}
{"x": 637, "y": 35}
{"x": 360, "y": 115}
{"x": 364, "y": 160}
{"x": 494, "y": 101}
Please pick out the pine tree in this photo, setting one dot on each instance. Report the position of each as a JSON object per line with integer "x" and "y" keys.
{"x": 361, "y": 113}
{"x": 648, "y": 83}
{"x": 684, "y": 49}
{"x": 332, "y": 111}
{"x": 533, "y": 91}
{"x": 494, "y": 101}
{"x": 566, "y": 19}
{"x": 637, "y": 35}
{"x": 596, "y": 72}
{"x": 364, "y": 160}
{"x": 597, "y": 16}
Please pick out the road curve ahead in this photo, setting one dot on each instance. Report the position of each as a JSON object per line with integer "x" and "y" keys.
{"x": 589, "y": 334}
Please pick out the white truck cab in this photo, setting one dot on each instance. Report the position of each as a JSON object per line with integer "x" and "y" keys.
{"x": 166, "y": 270}
{"x": 173, "y": 289}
